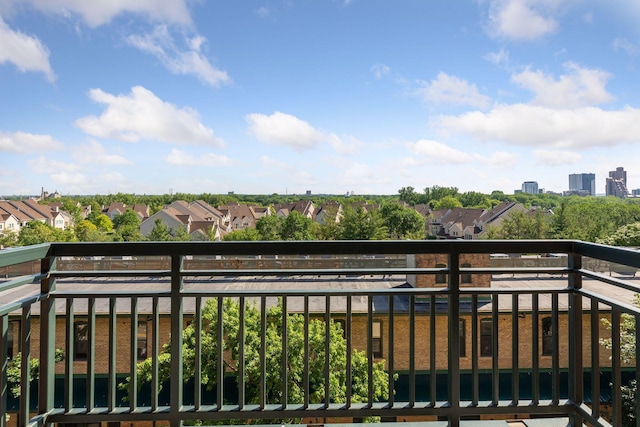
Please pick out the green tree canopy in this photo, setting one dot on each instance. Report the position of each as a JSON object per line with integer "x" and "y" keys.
{"x": 160, "y": 232}
{"x": 36, "y": 232}
{"x": 360, "y": 224}
{"x": 627, "y": 235}
{"x": 447, "y": 202}
{"x": 402, "y": 222}
{"x": 295, "y": 362}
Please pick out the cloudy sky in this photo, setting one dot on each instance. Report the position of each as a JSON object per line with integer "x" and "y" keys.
{"x": 331, "y": 96}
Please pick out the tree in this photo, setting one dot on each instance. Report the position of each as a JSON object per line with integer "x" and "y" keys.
{"x": 359, "y": 224}
{"x": 36, "y": 232}
{"x": 296, "y": 227}
{"x": 474, "y": 199}
{"x": 627, "y": 235}
{"x": 160, "y": 232}
{"x": 127, "y": 226}
{"x": 402, "y": 222}
{"x": 103, "y": 222}
{"x": 8, "y": 239}
{"x": 180, "y": 234}
{"x": 269, "y": 227}
{"x": 447, "y": 202}
{"x": 408, "y": 195}
{"x": 246, "y": 234}
{"x": 252, "y": 369}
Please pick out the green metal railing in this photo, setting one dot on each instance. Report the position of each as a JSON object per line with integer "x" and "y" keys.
{"x": 170, "y": 291}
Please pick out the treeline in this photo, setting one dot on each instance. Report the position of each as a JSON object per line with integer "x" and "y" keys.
{"x": 607, "y": 220}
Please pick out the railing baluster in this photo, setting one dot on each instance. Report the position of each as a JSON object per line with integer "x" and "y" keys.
{"x": 241, "y": 356}
{"x": 616, "y": 378}
{"x": 25, "y": 371}
{"x": 307, "y": 397}
{"x": 327, "y": 351}
{"x": 390, "y": 358}
{"x": 176, "y": 400}
{"x": 636, "y": 406}
{"x": 370, "y": 350}
{"x": 263, "y": 352}
{"x": 197, "y": 369}
{"x": 70, "y": 355}
{"x": 495, "y": 359}
{"x": 412, "y": 351}
{"x": 595, "y": 358}
{"x": 133, "y": 355}
{"x": 112, "y": 382}
{"x": 454, "y": 338}
{"x": 515, "y": 341}
{"x": 535, "y": 349}
{"x": 555, "y": 354}
{"x": 575, "y": 313}
{"x": 285, "y": 354}
{"x": 474, "y": 350}
{"x": 349, "y": 373}
{"x": 91, "y": 354}
{"x": 155, "y": 349}
{"x": 432, "y": 350}
{"x": 220, "y": 354}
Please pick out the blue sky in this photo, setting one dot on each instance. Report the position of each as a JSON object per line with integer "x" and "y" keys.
{"x": 283, "y": 96}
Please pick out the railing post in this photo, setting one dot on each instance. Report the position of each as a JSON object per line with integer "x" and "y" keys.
{"x": 576, "y": 386}
{"x": 454, "y": 338}
{"x": 46, "y": 379}
{"x": 176, "y": 341}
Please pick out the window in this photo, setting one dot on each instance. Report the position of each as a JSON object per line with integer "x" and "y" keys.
{"x": 377, "y": 338}
{"x": 441, "y": 277}
{"x": 463, "y": 338}
{"x": 142, "y": 340}
{"x": 466, "y": 277}
{"x": 11, "y": 225}
{"x": 486, "y": 342}
{"x": 547, "y": 337}
{"x": 80, "y": 340}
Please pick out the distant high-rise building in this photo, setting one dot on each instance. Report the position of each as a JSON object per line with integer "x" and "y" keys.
{"x": 616, "y": 184}
{"x": 583, "y": 183}
{"x": 530, "y": 187}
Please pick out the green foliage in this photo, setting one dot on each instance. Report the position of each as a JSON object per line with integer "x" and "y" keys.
{"x": 127, "y": 226}
{"x": 627, "y": 235}
{"x": 359, "y": 224}
{"x": 408, "y": 195}
{"x": 402, "y": 222}
{"x": 246, "y": 234}
{"x": 521, "y": 225}
{"x": 252, "y": 370}
{"x": 473, "y": 199}
{"x": 296, "y": 227}
{"x": 36, "y": 232}
{"x": 269, "y": 227}
{"x": 14, "y": 371}
{"x": 447, "y": 202}
{"x": 101, "y": 221}
{"x": 8, "y": 239}
{"x": 160, "y": 232}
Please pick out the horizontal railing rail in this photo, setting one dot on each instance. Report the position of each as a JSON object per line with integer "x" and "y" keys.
{"x": 540, "y": 341}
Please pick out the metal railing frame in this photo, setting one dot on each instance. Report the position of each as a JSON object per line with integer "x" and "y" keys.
{"x": 453, "y": 409}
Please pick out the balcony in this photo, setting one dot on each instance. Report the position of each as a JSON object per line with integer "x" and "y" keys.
{"x": 460, "y": 334}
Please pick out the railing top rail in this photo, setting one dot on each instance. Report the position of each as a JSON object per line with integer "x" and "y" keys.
{"x": 618, "y": 255}
{"x": 338, "y": 247}
{"x": 13, "y": 256}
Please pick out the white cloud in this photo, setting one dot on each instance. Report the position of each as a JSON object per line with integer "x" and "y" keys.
{"x": 621, "y": 43}
{"x": 26, "y": 52}
{"x": 180, "y": 60}
{"x": 94, "y": 152}
{"x": 50, "y": 166}
{"x": 99, "y": 12}
{"x": 284, "y": 129}
{"x": 498, "y": 58}
{"x": 580, "y": 87}
{"x": 27, "y": 143}
{"x": 446, "y": 89}
{"x": 556, "y": 157}
{"x": 182, "y": 158}
{"x": 529, "y": 125}
{"x": 522, "y": 19}
{"x": 434, "y": 151}
{"x": 501, "y": 159}
{"x": 380, "y": 71}
{"x": 142, "y": 115}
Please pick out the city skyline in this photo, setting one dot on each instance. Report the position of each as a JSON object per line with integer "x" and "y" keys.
{"x": 328, "y": 97}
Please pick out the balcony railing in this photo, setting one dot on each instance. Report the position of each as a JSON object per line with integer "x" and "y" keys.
{"x": 461, "y": 336}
